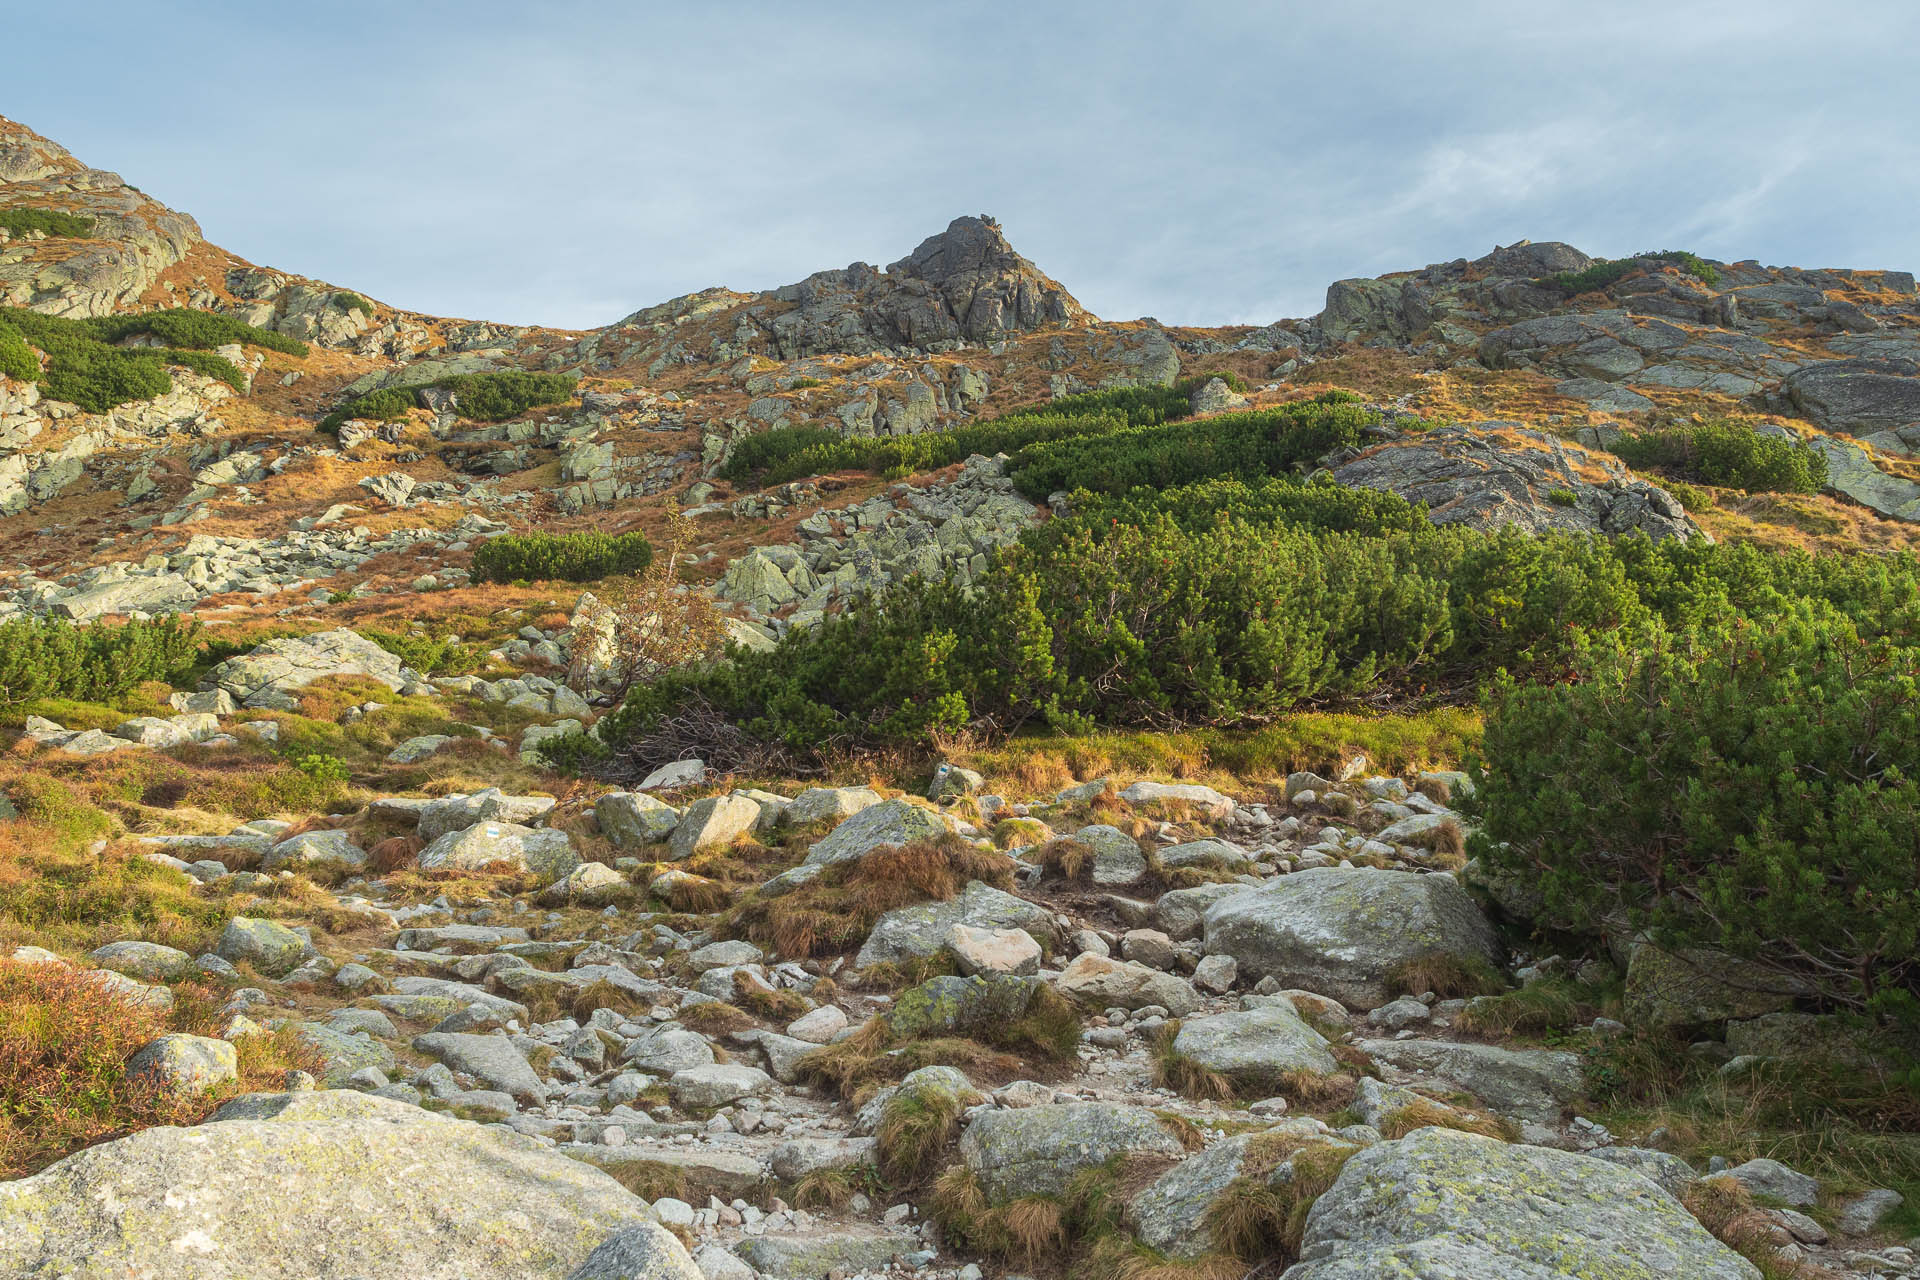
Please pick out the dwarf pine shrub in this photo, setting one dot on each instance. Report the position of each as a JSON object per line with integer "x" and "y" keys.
{"x": 1746, "y": 786}
{"x": 571, "y": 557}
{"x": 1729, "y": 453}
{"x": 49, "y": 658}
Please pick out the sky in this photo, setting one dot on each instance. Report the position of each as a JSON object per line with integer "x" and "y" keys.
{"x": 567, "y": 162}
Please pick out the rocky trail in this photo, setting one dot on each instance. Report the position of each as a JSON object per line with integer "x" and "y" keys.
{"x": 531, "y": 1056}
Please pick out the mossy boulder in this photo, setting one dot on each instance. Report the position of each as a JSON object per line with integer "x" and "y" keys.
{"x": 1037, "y": 1150}
{"x": 1440, "y": 1202}
{"x": 1256, "y": 1048}
{"x": 892, "y": 822}
{"x": 1692, "y": 988}
{"x": 330, "y": 1185}
{"x": 270, "y": 947}
{"x": 949, "y": 1005}
{"x": 1344, "y": 931}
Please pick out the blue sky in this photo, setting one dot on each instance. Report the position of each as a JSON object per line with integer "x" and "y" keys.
{"x": 568, "y": 162}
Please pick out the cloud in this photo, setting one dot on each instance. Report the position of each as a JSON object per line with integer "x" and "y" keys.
{"x": 568, "y": 163}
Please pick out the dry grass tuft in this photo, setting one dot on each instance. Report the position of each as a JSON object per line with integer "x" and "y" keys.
{"x": 1447, "y": 976}
{"x": 915, "y": 1128}
{"x": 1426, "y": 1114}
{"x": 825, "y": 1189}
{"x": 1065, "y": 859}
{"x": 1726, "y": 1209}
{"x": 394, "y": 853}
{"x": 1175, "y": 1071}
{"x": 837, "y": 909}
{"x": 714, "y": 1018}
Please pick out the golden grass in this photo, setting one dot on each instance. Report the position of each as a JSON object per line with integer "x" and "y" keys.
{"x": 837, "y": 909}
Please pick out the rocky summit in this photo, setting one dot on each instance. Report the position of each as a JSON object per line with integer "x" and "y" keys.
{"x": 894, "y": 775}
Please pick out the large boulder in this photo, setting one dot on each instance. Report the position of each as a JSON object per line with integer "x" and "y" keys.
{"x": 185, "y": 1065}
{"x": 436, "y": 818}
{"x": 315, "y": 849}
{"x": 1859, "y": 397}
{"x": 643, "y": 1251}
{"x": 1037, "y": 1150}
{"x": 921, "y": 930}
{"x": 634, "y": 818}
{"x": 333, "y": 1185}
{"x": 1170, "y": 1213}
{"x": 1103, "y": 983}
{"x": 492, "y": 1060}
{"x": 817, "y": 804}
{"x": 1688, "y": 988}
{"x": 267, "y": 945}
{"x": 1256, "y": 1048}
{"x": 1117, "y": 859}
{"x": 891, "y": 822}
{"x": 1344, "y": 931}
{"x": 148, "y": 960}
{"x": 269, "y": 675}
{"x": 547, "y": 853}
{"x": 1440, "y": 1203}
{"x": 1517, "y": 477}
{"x": 1530, "y": 1085}
{"x": 951, "y": 1005}
{"x": 714, "y": 821}
{"x": 1182, "y": 913}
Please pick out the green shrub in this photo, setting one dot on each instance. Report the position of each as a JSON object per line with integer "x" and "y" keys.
{"x": 325, "y": 770}
{"x": 1236, "y": 383}
{"x": 352, "y": 302}
{"x": 16, "y": 357}
{"x": 1605, "y": 272}
{"x": 431, "y": 656}
{"x": 1244, "y": 446}
{"x": 85, "y": 368}
{"x": 48, "y": 658}
{"x": 1563, "y": 497}
{"x": 479, "y": 397}
{"x": 1692, "y": 497}
{"x": 1230, "y": 603}
{"x": 1728, "y": 453}
{"x": 1748, "y": 786}
{"x": 50, "y": 221}
{"x": 572, "y": 557}
{"x": 774, "y": 457}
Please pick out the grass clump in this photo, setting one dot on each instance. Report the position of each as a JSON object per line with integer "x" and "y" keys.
{"x": 1450, "y": 977}
{"x": 64, "y": 1040}
{"x": 839, "y": 907}
{"x": 1549, "y": 1006}
{"x": 1426, "y": 1114}
{"x": 1174, "y": 1070}
{"x": 916, "y": 1126}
